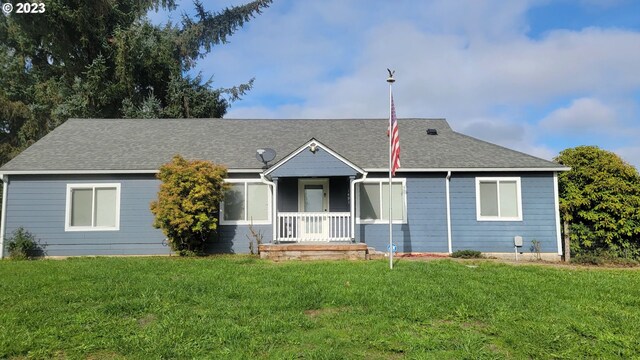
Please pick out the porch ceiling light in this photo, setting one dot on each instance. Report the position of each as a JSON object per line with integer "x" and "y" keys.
{"x": 313, "y": 147}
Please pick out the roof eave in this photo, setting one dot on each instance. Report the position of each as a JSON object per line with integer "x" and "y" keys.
{"x": 445, "y": 169}
{"x": 100, "y": 172}
{"x": 257, "y": 171}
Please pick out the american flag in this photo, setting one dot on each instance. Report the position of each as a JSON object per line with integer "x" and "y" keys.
{"x": 395, "y": 140}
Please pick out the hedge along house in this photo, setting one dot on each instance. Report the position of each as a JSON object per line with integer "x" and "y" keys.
{"x": 85, "y": 188}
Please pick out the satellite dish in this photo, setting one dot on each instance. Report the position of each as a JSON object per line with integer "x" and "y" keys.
{"x": 265, "y": 155}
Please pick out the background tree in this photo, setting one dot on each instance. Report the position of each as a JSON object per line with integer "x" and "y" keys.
{"x": 187, "y": 205}
{"x": 600, "y": 199}
{"x": 104, "y": 59}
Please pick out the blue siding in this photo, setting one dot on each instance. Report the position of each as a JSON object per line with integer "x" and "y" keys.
{"x": 38, "y": 204}
{"x": 426, "y": 227}
{"x": 538, "y": 209}
{"x": 308, "y": 164}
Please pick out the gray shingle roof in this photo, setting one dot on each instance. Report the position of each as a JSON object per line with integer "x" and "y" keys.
{"x": 134, "y": 144}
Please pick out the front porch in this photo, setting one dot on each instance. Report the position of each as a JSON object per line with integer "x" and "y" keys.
{"x": 314, "y": 196}
{"x": 314, "y": 220}
{"x": 306, "y": 206}
{"x": 314, "y": 210}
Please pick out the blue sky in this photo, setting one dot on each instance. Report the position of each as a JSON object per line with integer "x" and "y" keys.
{"x": 533, "y": 75}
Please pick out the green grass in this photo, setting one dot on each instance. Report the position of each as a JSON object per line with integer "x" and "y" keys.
{"x": 240, "y": 307}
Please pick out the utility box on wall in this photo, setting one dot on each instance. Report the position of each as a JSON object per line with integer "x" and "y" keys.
{"x": 517, "y": 241}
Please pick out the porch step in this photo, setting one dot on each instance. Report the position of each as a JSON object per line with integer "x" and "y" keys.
{"x": 373, "y": 254}
{"x": 326, "y": 251}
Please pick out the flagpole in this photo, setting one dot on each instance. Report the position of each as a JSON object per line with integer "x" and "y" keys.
{"x": 390, "y": 80}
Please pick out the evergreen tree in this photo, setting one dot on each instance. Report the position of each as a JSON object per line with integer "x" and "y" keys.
{"x": 104, "y": 59}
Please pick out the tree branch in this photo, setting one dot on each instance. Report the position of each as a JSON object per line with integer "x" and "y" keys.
{"x": 213, "y": 28}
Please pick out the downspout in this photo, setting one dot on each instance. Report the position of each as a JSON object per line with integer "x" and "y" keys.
{"x": 556, "y": 209}
{"x": 353, "y": 204}
{"x": 3, "y": 220}
{"x": 448, "y": 212}
{"x": 274, "y": 214}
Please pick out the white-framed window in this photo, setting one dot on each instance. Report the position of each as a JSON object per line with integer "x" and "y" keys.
{"x": 246, "y": 202}
{"x": 93, "y": 207}
{"x": 373, "y": 201}
{"x": 498, "y": 199}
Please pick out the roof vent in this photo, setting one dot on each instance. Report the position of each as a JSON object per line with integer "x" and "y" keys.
{"x": 432, "y": 132}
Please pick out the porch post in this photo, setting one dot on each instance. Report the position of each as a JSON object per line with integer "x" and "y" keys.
{"x": 275, "y": 210}
{"x": 352, "y": 207}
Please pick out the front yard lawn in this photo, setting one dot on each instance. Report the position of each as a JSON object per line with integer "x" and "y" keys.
{"x": 241, "y": 307}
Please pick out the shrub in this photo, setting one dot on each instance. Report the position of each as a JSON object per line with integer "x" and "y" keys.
{"x": 187, "y": 206}
{"x": 257, "y": 236}
{"x": 22, "y": 245}
{"x": 599, "y": 199}
{"x": 620, "y": 261}
{"x": 603, "y": 258}
{"x": 536, "y": 248}
{"x": 467, "y": 254}
{"x": 587, "y": 259}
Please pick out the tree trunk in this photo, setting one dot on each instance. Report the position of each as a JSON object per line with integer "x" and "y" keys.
{"x": 185, "y": 105}
{"x": 567, "y": 242}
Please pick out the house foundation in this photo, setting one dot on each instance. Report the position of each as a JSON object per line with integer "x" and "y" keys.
{"x": 313, "y": 251}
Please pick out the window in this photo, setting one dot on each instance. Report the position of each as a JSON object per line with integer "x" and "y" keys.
{"x": 374, "y": 201}
{"x": 246, "y": 202}
{"x": 498, "y": 199}
{"x": 92, "y": 207}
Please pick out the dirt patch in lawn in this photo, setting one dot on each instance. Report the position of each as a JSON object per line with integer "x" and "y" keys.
{"x": 146, "y": 320}
{"x": 314, "y": 313}
{"x": 104, "y": 354}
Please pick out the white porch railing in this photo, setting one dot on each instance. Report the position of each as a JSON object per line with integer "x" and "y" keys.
{"x": 314, "y": 226}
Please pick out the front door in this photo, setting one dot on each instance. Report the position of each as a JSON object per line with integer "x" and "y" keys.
{"x": 313, "y": 195}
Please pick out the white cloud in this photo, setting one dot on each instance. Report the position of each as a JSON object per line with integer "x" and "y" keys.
{"x": 518, "y": 136}
{"x": 440, "y": 72}
{"x": 583, "y": 115}
{"x": 494, "y": 130}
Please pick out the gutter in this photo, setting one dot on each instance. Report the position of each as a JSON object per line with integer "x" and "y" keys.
{"x": 106, "y": 172}
{"x": 3, "y": 220}
{"x": 429, "y": 170}
{"x": 274, "y": 210}
{"x": 353, "y": 204}
{"x": 448, "y": 180}
{"x": 247, "y": 171}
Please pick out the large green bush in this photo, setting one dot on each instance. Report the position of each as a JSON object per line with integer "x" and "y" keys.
{"x": 600, "y": 199}
{"x": 187, "y": 206}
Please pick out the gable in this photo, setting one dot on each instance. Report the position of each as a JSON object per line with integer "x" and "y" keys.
{"x": 313, "y": 159}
